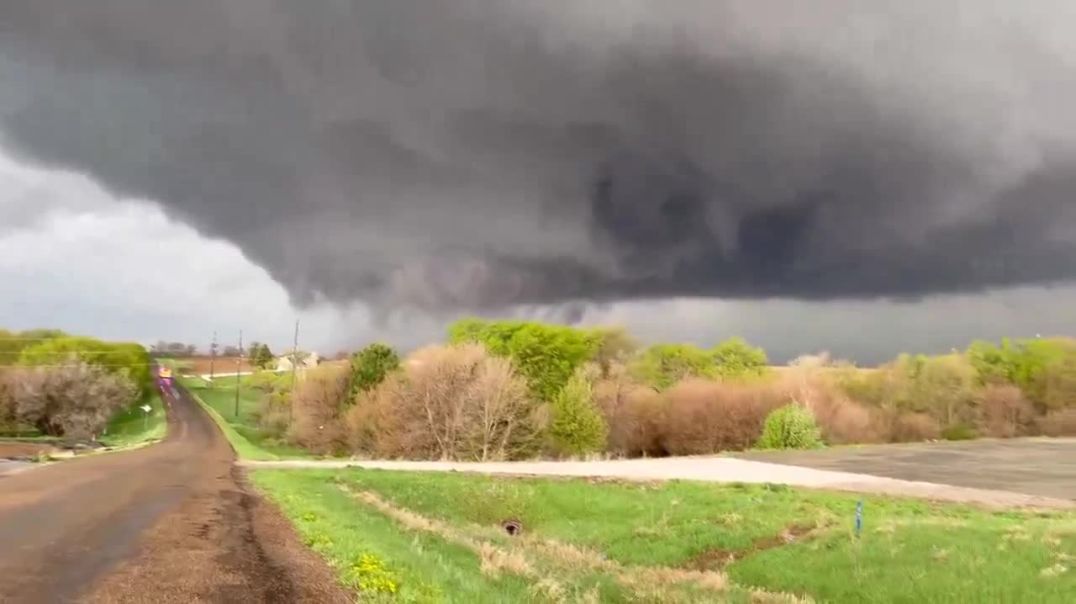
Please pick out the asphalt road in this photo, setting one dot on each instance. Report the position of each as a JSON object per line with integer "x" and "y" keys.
{"x": 10, "y": 467}
{"x": 172, "y": 522}
{"x": 1036, "y": 466}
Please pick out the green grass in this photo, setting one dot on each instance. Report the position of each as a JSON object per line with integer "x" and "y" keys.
{"x": 242, "y": 430}
{"x": 909, "y": 551}
{"x": 133, "y": 426}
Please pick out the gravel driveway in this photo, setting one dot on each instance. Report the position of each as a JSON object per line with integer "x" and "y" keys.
{"x": 712, "y": 469}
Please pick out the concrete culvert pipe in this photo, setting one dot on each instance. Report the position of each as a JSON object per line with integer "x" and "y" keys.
{"x": 512, "y": 527}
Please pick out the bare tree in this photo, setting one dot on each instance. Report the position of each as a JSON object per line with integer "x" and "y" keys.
{"x": 448, "y": 402}
{"x": 496, "y": 405}
{"x": 318, "y": 404}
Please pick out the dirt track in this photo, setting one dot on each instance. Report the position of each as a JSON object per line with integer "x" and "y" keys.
{"x": 173, "y": 522}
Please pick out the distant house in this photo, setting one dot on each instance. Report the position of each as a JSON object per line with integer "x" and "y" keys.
{"x": 309, "y": 360}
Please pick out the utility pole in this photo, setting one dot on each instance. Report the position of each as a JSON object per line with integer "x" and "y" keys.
{"x": 212, "y": 356}
{"x": 294, "y": 362}
{"x": 238, "y": 364}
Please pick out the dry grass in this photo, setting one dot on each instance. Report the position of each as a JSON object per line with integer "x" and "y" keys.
{"x": 544, "y": 560}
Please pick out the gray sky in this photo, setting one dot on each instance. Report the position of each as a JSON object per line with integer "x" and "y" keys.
{"x": 864, "y": 177}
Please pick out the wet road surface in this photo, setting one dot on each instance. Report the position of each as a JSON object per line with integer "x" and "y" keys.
{"x": 172, "y": 522}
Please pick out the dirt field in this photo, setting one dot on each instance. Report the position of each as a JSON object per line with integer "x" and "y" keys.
{"x": 173, "y": 522}
{"x": 200, "y": 365}
{"x": 1036, "y": 466}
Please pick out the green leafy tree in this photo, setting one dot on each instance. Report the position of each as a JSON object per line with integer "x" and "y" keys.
{"x": 261, "y": 356}
{"x": 13, "y": 343}
{"x": 735, "y": 358}
{"x": 612, "y": 345}
{"x": 577, "y": 425}
{"x": 371, "y": 365}
{"x": 117, "y": 357}
{"x": 1042, "y": 367}
{"x": 662, "y": 365}
{"x": 790, "y": 427}
{"x": 545, "y": 355}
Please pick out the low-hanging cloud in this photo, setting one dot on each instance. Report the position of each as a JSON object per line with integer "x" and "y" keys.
{"x": 477, "y": 154}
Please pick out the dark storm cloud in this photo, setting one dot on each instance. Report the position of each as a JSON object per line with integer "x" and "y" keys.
{"x": 476, "y": 154}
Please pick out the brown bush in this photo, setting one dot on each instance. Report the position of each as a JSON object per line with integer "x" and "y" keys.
{"x": 75, "y": 401}
{"x": 637, "y": 427}
{"x": 1059, "y": 423}
{"x": 449, "y": 402}
{"x": 843, "y": 421}
{"x": 1005, "y": 411}
{"x": 912, "y": 427}
{"x": 812, "y": 383}
{"x": 7, "y": 398}
{"x": 704, "y": 416}
{"x": 633, "y": 412}
{"x": 318, "y": 405}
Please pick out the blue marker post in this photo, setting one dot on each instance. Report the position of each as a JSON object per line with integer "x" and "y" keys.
{"x": 859, "y": 517}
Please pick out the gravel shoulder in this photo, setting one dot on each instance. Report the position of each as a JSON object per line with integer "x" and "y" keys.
{"x": 711, "y": 469}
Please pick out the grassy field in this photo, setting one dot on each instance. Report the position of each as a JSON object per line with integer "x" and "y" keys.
{"x": 420, "y": 537}
{"x": 133, "y": 426}
{"x": 242, "y": 430}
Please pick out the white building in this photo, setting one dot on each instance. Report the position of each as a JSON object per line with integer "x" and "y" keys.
{"x": 309, "y": 360}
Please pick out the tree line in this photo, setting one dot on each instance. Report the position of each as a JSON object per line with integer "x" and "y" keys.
{"x": 522, "y": 389}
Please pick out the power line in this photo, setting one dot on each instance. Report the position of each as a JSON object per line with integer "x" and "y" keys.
{"x": 35, "y": 366}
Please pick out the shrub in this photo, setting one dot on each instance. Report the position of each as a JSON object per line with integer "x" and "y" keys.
{"x": 633, "y": 413}
{"x": 7, "y": 399}
{"x": 448, "y": 402}
{"x": 810, "y": 382}
{"x": 912, "y": 427}
{"x": 1059, "y": 423}
{"x": 317, "y": 410}
{"x": 790, "y": 427}
{"x": 959, "y": 432}
{"x": 704, "y": 416}
{"x": 946, "y": 388}
{"x": 370, "y": 365}
{"x": 1006, "y": 412}
{"x": 577, "y": 426}
{"x": 75, "y": 400}
{"x": 268, "y": 381}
